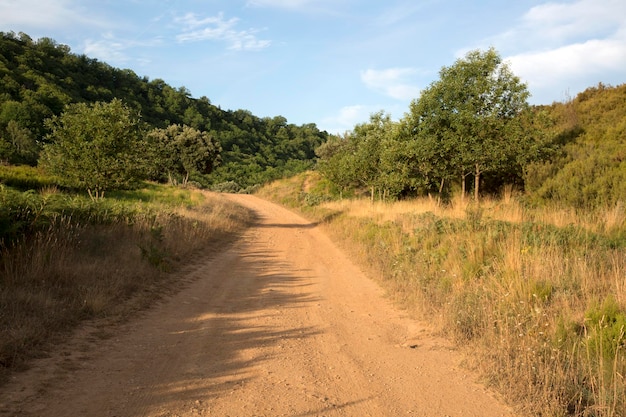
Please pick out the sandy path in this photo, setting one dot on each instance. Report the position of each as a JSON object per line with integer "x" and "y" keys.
{"x": 280, "y": 324}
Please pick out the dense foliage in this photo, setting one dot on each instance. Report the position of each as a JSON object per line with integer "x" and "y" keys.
{"x": 95, "y": 147}
{"x": 256, "y": 150}
{"x": 39, "y": 78}
{"x": 472, "y": 117}
{"x": 472, "y": 122}
{"x": 474, "y": 126}
{"x": 181, "y": 151}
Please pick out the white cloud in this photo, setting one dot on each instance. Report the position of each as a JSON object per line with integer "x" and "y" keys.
{"x": 283, "y": 4}
{"x": 395, "y": 13}
{"x": 324, "y": 7}
{"x": 106, "y": 49}
{"x": 219, "y": 29}
{"x": 346, "y": 118}
{"x": 594, "y": 57}
{"x": 392, "y": 82}
{"x": 557, "y": 46}
{"x": 563, "y": 22}
{"x": 113, "y": 50}
{"x": 552, "y": 25}
{"x": 49, "y": 14}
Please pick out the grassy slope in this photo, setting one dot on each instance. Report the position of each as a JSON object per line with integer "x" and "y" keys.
{"x": 537, "y": 297}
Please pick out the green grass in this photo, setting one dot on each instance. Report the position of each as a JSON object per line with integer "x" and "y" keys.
{"x": 25, "y": 178}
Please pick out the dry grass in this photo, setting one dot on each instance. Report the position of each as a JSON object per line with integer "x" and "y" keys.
{"x": 72, "y": 272}
{"x": 536, "y": 297}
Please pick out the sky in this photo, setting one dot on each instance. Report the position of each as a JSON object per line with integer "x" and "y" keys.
{"x": 334, "y": 62}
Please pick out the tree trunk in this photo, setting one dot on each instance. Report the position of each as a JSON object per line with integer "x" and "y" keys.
{"x": 463, "y": 176}
{"x": 440, "y": 191}
{"x": 476, "y": 182}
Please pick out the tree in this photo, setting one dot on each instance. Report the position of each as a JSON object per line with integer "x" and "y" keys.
{"x": 370, "y": 141}
{"x": 96, "y": 147}
{"x": 17, "y": 144}
{"x": 471, "y": 115}
{"x": 183, "y": 151}
{"x": 38, "y": 78}
{"x": 337, "y": 163}
{"x": 364, "y": 157}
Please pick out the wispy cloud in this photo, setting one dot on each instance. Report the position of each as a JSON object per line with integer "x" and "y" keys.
{"x": 323, "y": 7}
{"x": 591, "y": 58}
{"x": 49, "y": 14}
{"x": 393, "y": 82}
{"x": 283, "y": 4}
{"x": 402, "y": 11}
{"x": 557, "y": 23}
{"x": 116, "y": 51}
{"x": 346, "y": 118}
{"x": 107, "y": 49}
{"x": 217, "y": 28}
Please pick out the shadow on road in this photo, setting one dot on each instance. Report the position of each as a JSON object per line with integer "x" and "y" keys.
{"x": 237, "y": 290}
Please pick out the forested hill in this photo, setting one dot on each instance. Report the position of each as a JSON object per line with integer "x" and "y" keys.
{"x": 40, "y": 77}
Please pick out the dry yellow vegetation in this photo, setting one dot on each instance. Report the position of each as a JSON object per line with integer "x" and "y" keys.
{"x": 535, "y": 296}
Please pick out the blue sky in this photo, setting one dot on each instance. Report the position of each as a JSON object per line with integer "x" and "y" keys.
{"x": 333, "y": 62}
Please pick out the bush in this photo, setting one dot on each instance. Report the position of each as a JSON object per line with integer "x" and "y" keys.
{"x": 227, "y": 187}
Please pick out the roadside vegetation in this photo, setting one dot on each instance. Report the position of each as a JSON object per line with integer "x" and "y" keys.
{"x": 527, "y": 272}
{"x": 501, "y": 223}
{"x": 66, "y": 257}
{"x": 534, "y": 296}
{"x": 101, "y": 173}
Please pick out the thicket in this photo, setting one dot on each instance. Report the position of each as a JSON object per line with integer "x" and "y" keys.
{"x": 39, "y": 78}
{"x": 474, "y": 123}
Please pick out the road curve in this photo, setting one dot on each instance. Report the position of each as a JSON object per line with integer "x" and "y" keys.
{"x": 279, "y": 324}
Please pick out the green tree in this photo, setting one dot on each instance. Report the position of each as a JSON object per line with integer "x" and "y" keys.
{"x": 182, "y": 151}
{"x": 337, "y": 163}
{"x": 96, "y": 147}
{"x": 364, "y": 158}
{"x": 371, "y": 139}
{"x": 17, "y": 144}
{"x": 471, "y": 114}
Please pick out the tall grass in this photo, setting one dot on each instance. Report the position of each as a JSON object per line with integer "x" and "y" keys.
{"x": 536, "y": 297}
{"x": 66, "y": 258}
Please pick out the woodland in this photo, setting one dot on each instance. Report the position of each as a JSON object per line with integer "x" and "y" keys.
{"x": 39, "y": 78}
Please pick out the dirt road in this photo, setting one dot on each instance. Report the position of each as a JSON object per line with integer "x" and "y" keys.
{"x": 280, "y": 324}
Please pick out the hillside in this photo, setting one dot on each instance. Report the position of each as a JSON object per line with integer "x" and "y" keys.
{"x": 588, "y": 167}
{"x": 40, "y": 77}
{"x": 574, "y": 155}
